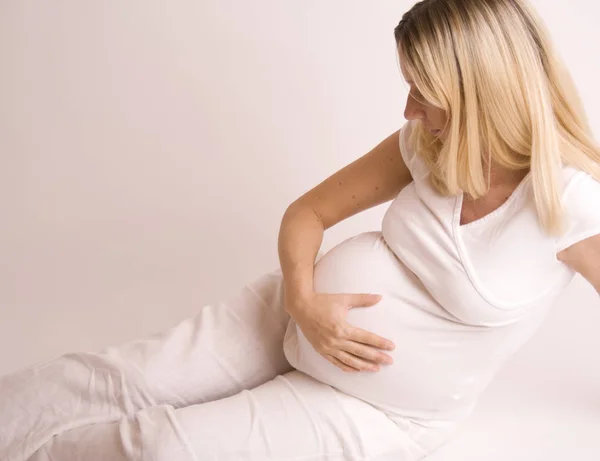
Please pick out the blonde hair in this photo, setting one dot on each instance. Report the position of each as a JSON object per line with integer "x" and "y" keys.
{"x": 491, "y": 66}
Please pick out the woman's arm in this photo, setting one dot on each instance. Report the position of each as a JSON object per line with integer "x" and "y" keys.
{"x": 371, "y": 180}
{"x": 584, "y": 258}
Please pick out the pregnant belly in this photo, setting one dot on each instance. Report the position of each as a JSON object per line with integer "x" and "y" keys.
{"x": 439, "y": 365}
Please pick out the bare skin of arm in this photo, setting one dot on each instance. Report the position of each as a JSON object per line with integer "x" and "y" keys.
{"x": 371, "y": 180}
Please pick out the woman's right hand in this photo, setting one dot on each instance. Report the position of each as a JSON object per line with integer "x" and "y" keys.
{"x": 322, "y": 319}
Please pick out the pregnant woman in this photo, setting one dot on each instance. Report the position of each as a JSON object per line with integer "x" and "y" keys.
{"x": 378, "y": 349}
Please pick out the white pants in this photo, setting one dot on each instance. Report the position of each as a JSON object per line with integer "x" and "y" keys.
{"x": 216, "y": 387}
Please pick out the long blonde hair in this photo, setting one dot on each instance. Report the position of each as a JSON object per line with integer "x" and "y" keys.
{"x": 491, "y": 66}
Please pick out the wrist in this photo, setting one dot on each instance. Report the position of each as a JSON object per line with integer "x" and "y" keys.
{"x": 296, "y": 298}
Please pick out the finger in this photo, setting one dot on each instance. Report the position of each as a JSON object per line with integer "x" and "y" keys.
{"x": 364, "y": 300}
{"x": 366, "y": 352}
{"x": 340, "y": 364}
{"x": 355, "y": 362}
{"x": 369, "y": 338}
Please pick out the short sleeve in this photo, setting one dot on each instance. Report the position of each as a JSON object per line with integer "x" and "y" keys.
{"x": 581, "y": 201}
{"x": 414, "y": 163}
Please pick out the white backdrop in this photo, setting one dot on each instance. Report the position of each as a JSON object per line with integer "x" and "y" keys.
{"x": 149, "y": 149}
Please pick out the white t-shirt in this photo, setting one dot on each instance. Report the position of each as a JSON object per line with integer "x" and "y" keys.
{"x": 458, "y": 301}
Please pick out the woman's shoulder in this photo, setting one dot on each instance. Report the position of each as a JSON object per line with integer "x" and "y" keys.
{"x": 408, "y": 149}
{"x": 570, "y": 176}
{"x": 406, "y": 146}
{"x": 580, "y": 199}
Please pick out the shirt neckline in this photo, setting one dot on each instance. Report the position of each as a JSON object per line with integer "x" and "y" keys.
{"x": 462, "y": 252}
{"x": 458, "y": 205}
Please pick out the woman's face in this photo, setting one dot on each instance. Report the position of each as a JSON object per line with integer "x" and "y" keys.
{"x": 433, "y": 118}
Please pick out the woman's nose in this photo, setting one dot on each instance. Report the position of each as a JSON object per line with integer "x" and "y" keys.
{"x": 413, "y": 110}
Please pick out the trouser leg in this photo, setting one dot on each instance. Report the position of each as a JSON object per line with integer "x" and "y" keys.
{"x": 224, "y": 349}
